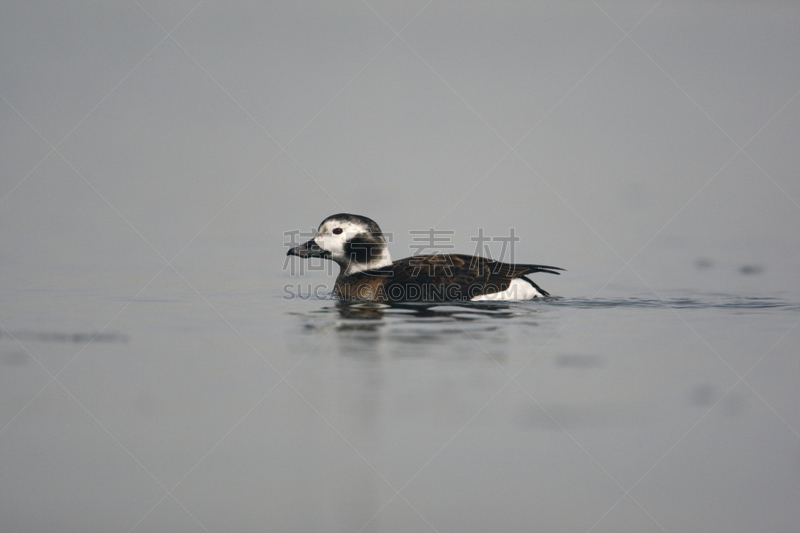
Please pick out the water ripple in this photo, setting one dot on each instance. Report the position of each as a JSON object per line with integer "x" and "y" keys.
{"x": 475, "y": 310}
{"x": 712, "y": 301}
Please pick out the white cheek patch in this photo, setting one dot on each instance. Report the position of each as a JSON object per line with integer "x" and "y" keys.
{"x": 334, "y": 244}
{"x": 329, "y": 244}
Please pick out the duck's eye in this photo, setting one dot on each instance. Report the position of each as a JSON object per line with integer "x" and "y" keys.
{"x": 337, "y": 231}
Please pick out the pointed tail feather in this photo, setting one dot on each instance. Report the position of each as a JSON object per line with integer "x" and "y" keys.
{"x": 530, "y": 269}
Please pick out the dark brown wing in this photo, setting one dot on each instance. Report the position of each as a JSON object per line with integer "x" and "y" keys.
{"x": 443, "y": 277}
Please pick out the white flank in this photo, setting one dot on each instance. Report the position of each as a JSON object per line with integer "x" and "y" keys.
{"x": 518, "y": 290}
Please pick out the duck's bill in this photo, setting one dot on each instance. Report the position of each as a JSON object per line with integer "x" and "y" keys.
{"x": 309, "y": 249}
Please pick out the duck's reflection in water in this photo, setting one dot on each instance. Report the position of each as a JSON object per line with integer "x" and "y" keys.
{"x": 455, "y": 310}
{"x": 369, "y": 329}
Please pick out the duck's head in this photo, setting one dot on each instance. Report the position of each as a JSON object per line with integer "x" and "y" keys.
{"x": 353, "y": 241}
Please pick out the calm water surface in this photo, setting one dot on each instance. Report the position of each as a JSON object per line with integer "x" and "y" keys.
{"x": 236, "y": 410}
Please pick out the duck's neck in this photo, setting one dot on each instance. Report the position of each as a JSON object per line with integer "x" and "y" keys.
{"x": 381, "y": 260}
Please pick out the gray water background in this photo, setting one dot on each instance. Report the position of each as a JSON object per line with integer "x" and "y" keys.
{"x": 154, "y": 376}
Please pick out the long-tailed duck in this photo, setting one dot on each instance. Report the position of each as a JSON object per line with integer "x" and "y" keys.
{"x": 357, "y": 244}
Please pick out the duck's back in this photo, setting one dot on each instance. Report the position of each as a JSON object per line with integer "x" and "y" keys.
{"x": 436, "y": 278}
